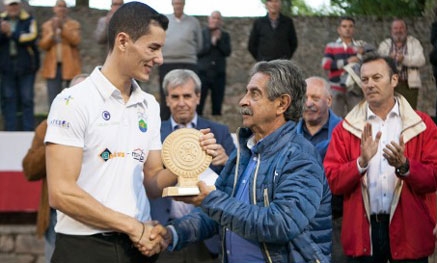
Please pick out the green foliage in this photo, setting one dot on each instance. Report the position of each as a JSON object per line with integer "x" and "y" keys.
{"x": 379, "y": 8}
{"x": 296, "y": 7}
{"x": 398, "y": 8}
{"x": 300, "y": 8}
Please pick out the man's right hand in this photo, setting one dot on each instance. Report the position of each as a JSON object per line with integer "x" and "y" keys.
{"x": 369, "y": 146}
{"x": 151, "y": 241}
{"x": 5, "y": 27}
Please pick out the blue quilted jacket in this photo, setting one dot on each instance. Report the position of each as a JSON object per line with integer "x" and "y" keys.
{"x": 290, "y": 210}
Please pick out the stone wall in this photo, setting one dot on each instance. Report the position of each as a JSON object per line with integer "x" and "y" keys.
{"x": 18, "y": 243}
{"x": 313, "y": 33}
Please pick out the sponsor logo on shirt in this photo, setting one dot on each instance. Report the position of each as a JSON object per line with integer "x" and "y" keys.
{"x": 60, "y": 123}
{"x": 68, "y": 99}
{"x": 138, "y": 154}
{"x": 106, "y": 115}
{"x": 107, "y": 154}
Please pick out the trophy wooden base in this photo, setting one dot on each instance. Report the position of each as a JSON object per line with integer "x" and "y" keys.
{"x": 180, "y": 191}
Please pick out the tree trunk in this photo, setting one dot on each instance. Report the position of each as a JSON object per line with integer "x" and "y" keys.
{"x": 81, "y": 3}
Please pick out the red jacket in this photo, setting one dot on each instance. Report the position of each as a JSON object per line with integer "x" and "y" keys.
{"x": 413, "y": 209}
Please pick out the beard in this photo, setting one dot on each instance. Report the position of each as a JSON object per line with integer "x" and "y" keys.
{"x": 399, "y": 38}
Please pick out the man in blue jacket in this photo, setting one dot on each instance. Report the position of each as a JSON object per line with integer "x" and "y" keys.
{"x": 182, "y": 89}
{"x": 272, "y": 202}
{"x": 316, "y": 125}
{"x": 318, "y": 120}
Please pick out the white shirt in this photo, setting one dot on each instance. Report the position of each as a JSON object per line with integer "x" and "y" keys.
{"x": 381, "y": 176}
{"x": 116, "y": 138}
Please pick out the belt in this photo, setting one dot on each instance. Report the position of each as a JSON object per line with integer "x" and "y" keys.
{"x": 111, "y": 236}
{"x": 380, "y": 218}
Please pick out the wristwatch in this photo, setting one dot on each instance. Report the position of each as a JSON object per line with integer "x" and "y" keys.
{"x": 403, "y": 169}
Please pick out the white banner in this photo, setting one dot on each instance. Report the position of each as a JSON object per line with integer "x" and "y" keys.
{"x": 13, "y": 148}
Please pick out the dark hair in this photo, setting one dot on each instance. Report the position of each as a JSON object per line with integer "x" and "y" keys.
{"x": 349, "y": 18}
{"x": 285, "y": 78}
{"x": 372, "y": 56}
{"x": 134, "y": 19}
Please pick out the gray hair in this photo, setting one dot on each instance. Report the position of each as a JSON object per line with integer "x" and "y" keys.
{"x": 179, "y": 77}
{"x": 61, "y": 1}
{"x": 324, "y": 82}
{"x": 285, "y": 78}
{"x": 78, "y": 78}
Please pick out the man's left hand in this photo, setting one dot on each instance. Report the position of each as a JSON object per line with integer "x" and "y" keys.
{"x": 219, "y": 157}
{"x": 197, "y": 199}
{"x": 394, "y": 153}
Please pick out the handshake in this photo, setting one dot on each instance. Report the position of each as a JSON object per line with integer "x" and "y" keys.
{"x": 151, "y": 238}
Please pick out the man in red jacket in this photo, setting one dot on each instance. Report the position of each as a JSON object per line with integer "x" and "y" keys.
{"x": 383, "y": 160}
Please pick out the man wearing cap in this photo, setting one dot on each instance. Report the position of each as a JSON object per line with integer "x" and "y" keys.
{"x": 19, "y": 61}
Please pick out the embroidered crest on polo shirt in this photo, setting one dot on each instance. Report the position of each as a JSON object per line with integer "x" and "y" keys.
{"x": 142, "y": 125}
{"x": 142, "y": 118}
{"x": 106, "y": 115}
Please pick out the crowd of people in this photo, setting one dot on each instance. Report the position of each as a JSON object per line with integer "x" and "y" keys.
{"x": 342, "y": 169}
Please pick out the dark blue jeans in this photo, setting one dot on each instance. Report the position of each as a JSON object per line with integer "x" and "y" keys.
{"x": 381, "y": 244}
{"x": 17, "y": 96}
{"x": 55, "y": 86}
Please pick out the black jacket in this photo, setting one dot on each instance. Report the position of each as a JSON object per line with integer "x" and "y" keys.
{"x": 214, "y": 57}
{"x": 266, "y": 43}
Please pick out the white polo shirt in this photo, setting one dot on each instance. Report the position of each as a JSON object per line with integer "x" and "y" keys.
{"x": 116, "y": 138}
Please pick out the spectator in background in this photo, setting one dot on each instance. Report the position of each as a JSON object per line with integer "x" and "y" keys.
{"x": 408, "y": 54}
{"x": 34, "y": 168}
{"x": 101, "y": 32}
{"x": 182, "y": 44}
{"x": 383, "y": 159}
{"x": 24, "y": 4}
{"x": 318, "y": 120}
{"x": 60, "y": 39}
{"x": 19, "y": 61}
{"x": 212, "y": 63}
{"x": 344, "y": 51}
{"x": 316, "y": 126}
{"x": 183, "y": 92}
{"x": 273, "y": 36}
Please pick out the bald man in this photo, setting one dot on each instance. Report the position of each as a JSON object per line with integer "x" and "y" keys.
{"x": 316, "y": 126}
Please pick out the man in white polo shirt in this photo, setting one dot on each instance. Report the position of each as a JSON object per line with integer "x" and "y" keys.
{"x": 103, "y": 150}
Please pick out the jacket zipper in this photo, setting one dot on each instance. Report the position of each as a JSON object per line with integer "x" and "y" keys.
{"x": 266, "y": 202}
